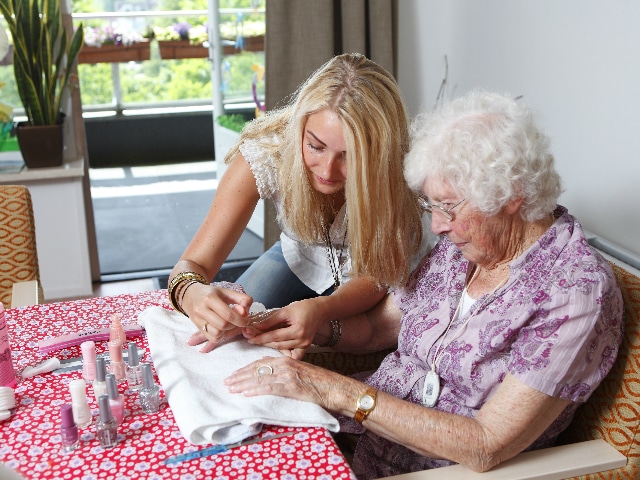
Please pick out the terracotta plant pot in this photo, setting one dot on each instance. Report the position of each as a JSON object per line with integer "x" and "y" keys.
{"x": 41, "y": 146}
{"x": 178, "y": 49}
{"x": 136, "y": 52}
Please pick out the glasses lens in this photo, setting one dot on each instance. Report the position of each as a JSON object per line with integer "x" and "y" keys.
{"x": 429, "y": 208}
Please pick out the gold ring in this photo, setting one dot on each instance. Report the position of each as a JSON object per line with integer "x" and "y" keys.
{"x": 264, "y": 370}
{"x": 204, "y": 327}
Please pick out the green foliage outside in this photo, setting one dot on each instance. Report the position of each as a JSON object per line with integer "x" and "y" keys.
{"x": 159, "y": 80}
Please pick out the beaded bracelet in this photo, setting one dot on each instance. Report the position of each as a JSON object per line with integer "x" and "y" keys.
{"x": 336, "y": 333}
{"x": 177, "y": 281}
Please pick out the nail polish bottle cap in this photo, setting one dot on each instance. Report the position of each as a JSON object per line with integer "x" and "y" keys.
{"x": 78, "y": 389}
{"x": 112, "y": 387}
{"x": 105, "y": 408}
{"x": 133, "y": 354}
{"x": 115, "y": 350}
{"x": 66, "y": 413}
{"x": 88, "y": 351}
{"x": 147, "y": 376}
{"x": 101, "y": 369}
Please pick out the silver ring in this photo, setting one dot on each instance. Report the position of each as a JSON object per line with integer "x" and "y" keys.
{"x": 204, "y": 327}
{"x": 264, "y": 370}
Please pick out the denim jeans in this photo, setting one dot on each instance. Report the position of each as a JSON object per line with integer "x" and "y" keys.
{"x": 270, "y": 281}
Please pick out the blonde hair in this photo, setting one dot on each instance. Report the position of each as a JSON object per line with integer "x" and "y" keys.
{"x": 384, "y": 225}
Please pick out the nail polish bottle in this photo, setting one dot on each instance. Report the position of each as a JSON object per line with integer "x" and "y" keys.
{"x": 79, "y": 404}
{"x": 7, "y": 373}
{"x": 116, "y": 365}
{"x": 88, "y": 360}
{"x": 106, "y": 426}
{"x": 116, "y": 399}
{"x": 149, "y": 394}
{"x": 99, "y": 384}
{"x": 116, "y": 331}
{"x": 133, "y": 370}
{"x": 68, "y": 429}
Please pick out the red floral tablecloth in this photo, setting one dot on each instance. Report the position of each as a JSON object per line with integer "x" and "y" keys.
{"x": 30, "y": 439}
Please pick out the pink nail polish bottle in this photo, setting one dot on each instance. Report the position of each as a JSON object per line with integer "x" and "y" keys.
{"x": 7, "y": 373}
{"x": 116, "y": 365}
{"x": 116, "y": 399}
{"x": 116, "y": 331}
{"x": 88, "y": 349}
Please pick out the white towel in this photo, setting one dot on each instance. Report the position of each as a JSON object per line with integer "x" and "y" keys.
{"x": 204, "y": 409}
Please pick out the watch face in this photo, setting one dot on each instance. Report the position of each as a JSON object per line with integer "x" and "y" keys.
{"x": 366, "y": 402}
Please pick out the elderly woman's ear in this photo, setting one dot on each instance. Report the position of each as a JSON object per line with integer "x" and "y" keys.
{"x": 513, "y": 206}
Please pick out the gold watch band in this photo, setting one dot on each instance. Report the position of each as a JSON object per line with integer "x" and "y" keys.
{"x": 361, "y": 413}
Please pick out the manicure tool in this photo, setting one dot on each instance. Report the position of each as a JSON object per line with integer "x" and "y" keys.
{"x": 215, "y": 449}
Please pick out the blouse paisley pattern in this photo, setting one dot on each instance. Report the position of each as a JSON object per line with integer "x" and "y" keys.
{"x": 555, "y": 325}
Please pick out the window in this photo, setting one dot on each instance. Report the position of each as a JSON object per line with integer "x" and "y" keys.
{"x": 162, "y": 79}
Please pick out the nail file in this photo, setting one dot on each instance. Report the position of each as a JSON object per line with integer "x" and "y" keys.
{"x": 49, "y": 345}
{"x": 215, "y": 449}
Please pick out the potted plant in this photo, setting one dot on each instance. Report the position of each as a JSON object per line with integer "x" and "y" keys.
{"x": 42, "y": 61}
{"x": 111, "y": 44}
{"x": 182, "y": 41}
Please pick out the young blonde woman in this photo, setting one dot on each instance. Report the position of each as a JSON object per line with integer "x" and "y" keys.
{"x": 332, "y": 162}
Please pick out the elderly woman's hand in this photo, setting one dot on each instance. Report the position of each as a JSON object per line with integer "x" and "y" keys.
{"x": 208, "y": 308}
{"x": 285, "y": 377}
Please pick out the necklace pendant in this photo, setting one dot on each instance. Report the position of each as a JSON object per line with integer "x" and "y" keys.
{"x": 431, "y": 389}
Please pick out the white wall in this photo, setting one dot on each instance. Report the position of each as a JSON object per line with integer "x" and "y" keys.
{"x": 577, "y": 62}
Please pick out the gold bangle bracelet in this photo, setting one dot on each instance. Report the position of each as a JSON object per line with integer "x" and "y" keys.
{"x": 175, "y": 283}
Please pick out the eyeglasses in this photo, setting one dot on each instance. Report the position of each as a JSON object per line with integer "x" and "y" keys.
{"x": 441, "y": 208}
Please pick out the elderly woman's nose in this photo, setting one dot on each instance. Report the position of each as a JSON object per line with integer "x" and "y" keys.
{"x": 439, "y": 224}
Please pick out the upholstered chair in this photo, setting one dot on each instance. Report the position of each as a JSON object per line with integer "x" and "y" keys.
{"x": 18, "y": 254}
{"x": 613, "y": 411}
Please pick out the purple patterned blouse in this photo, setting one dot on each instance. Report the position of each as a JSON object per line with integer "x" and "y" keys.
{"x": 555, "y": 325}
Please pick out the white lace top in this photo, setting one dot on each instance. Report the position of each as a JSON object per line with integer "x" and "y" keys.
{"x": 308, "y": 262}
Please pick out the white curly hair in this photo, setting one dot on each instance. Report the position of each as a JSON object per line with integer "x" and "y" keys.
{"x": 487, "y": 147}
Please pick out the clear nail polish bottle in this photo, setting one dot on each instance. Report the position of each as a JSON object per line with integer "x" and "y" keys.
{"x": 134, "y": 369}
{"x": 68, "y": 429}
{"x": 79, "y": 404}
{"x": 99, "y": 385}
{"x": 149, "y": 394}
{"x": 116, "y": 399}
{"x": 106, "y": 426}
{"x": 116, "y": 364}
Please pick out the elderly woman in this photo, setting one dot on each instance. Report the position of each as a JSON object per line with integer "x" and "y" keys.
{"x": 504, "y": 329}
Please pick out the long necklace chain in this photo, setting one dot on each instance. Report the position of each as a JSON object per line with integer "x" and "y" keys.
{"x": 335, "y": 259}
{"x": 431, "y": 387}
{"x": 437, "y": 356}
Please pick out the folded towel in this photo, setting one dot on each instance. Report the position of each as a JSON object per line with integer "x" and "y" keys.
{"x": 204, "y": 409}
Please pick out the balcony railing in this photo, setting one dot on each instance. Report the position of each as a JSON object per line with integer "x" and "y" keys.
{"x": 119, "y": 106}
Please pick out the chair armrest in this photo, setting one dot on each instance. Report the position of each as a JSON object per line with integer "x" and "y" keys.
{"x": 553, "y": 463}
{"x": 25, "y": 293}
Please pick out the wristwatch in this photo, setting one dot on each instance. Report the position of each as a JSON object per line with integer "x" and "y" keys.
{"x": 365, "y": 404}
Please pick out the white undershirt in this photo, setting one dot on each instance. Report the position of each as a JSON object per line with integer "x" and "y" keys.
{"x": 465, "y": 303}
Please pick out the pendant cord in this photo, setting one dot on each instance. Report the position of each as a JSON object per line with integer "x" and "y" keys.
{"x": 437, "y": 356}
{"x": 335, "y": 259}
